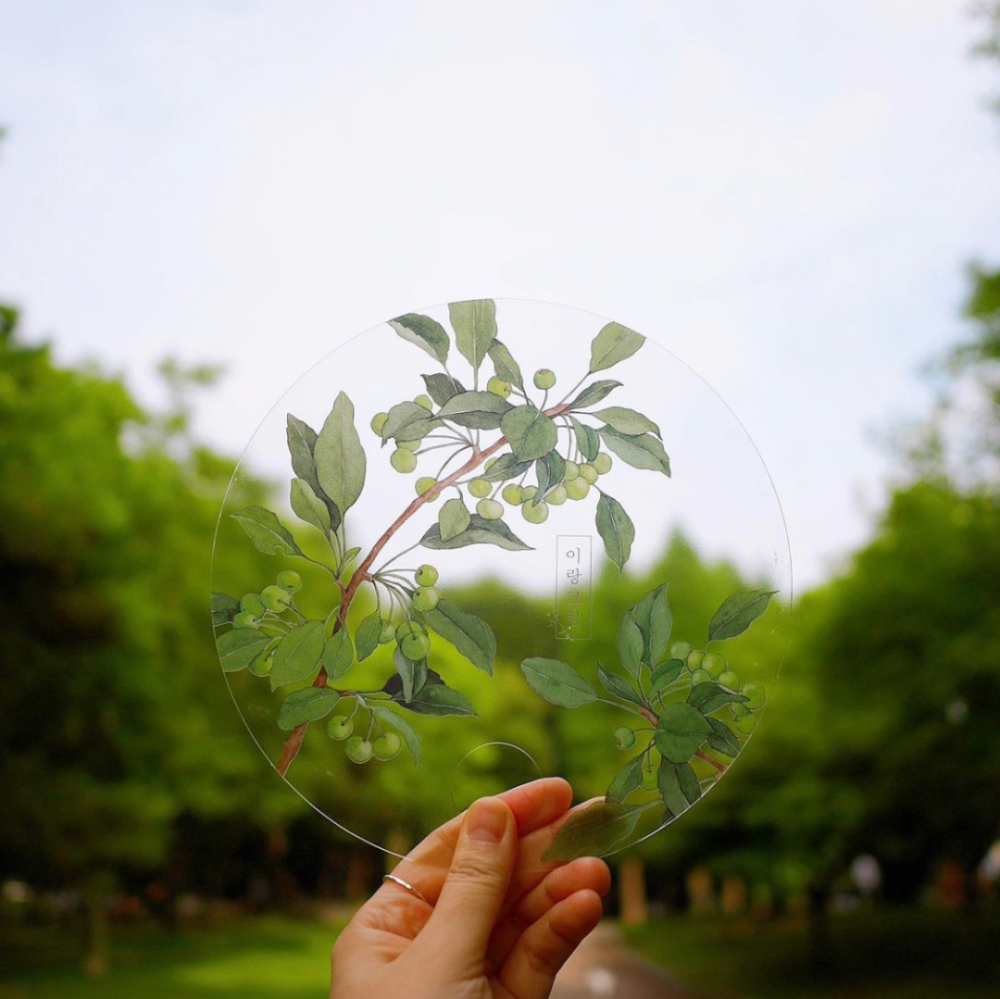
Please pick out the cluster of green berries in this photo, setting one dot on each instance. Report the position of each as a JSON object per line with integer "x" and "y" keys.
{"x": 361, "y": 748}
{"x": 710, "y": 666}
{"x": 275, "y": 598}
{"x": 403, "y": 459}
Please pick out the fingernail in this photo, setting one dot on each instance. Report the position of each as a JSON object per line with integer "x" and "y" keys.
{"x": 487, "y": 820}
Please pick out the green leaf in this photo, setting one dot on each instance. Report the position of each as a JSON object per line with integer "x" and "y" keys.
{"x": 586, "y": 439}
{"x": 266, "y": 531}
{"x": 402, "y": 726}
{"x": 366, "y": 637}
{"x": 504, "y": 364}
{"x": 394, "y": 685}
{"x": 475, "y": 326}
{"x": 426, "y": 333}
{"x": 478, "y": 410}
{"x": 664, "y": 674}
{"x": 653, "y": 616}
{"x": 557, "y": 682}
{"x": 224, "y": 608}
{"x": 437, "y": 699}
{"x": 340, "y": 458}
{"x": 737, "y": 613}
{"x": 709, "y": 697}
{"x": 412, "y": 673}
{"x": 505, "y": 467}
{"x": 442, "y": 387}
{"x": 593, "y": 393}
{"x": 644, "y": 451}
{"x": 630, "y": 646}
{"x": 239, "y": 647}
{"x": 407, "y": 421}
{"x": 629, "y": 779}
{"x": 309, "y": 705}
{"x": 301, "y": 441}
{"x": 338, "y": 654}
{"x": 592, "y": 832}
{"x": 627, "y": 421}
{"x": 615, "y": 528}
{"x": 617, "y": 685}
{"x": 308, "y": 506}
{"x": 479, "y": 532}
{"x": 722, "y": 738}
{"x": 679, "y": 786}
{"x": 613, "y": 344}
{"x": 530, "y": 432}
{"x": 472, "y": 636}
{"x": 550, "y": 470}
{"x": 298, "y": 654}
{"x": 681, "y": 731}
{"x": 453, "y": 519}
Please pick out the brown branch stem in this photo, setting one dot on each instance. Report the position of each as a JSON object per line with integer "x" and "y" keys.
{"x": 293, "y": 743}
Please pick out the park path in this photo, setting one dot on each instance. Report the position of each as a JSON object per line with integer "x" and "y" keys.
{"x": 605, "y": 967}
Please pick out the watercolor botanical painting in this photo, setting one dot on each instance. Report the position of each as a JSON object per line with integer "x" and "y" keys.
{"x": 357, "y": 634}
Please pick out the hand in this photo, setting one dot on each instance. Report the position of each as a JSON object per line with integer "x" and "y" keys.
{"x": 497, "y": 923}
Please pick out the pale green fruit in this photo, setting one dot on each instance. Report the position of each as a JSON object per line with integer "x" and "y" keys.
{"x": 513, "y": 494}
{"x": 544, "y": 378}
{"x": 261, "y": 667}
{"x": 415, "y": 647}
{"x": 699, "y": 676}
{"x": 252, "y": 604}
{"x": 714, "y": 663}
{"x": 275, "y": 598}
{"x": 729, "y": 679}
{"x": 680, "y": 650}
{"x": 403, "y": 460}
{"x": 535, "y": 513}
{"x": 289, "y": 580}
{"x": 589, "y": 473}
{"x": 246, "y": 620}
{"x": 408, "y": 629}
{"x": 739, "y": 710}
{"x": 387, "y": 746}
{"x": 528, "y": 493}
{"x": 572, "y": 471}
{"x": 649, "y": 780}
{"x": 489, "y": 509}
{"x": 378, "y": 422}
{"x": 424, "y": 485}
{"x": 624, "y": 737}
{"x": 426, "y": 598}
{"x": 578, "y": 488}
{"x": 557, "y": 496}
{"x": 426, "y": 575}
{"x": 358, "y": 750}
{"x": 387, "y": 634}
{"x": 756, "y": 695}
{"x": 603, "y": 463}
{"x": 480, "y": 488}
{"x": 694, "y": 659}
{"x": 498, "y": 387}
{"x": 339, "y": 727}
{"x": 426, "y": 401}
{"x": 410, "y": 445}
{"x": 746, "y": 724}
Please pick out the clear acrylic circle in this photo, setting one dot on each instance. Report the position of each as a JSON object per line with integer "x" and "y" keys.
{"x": 501, "y": 524}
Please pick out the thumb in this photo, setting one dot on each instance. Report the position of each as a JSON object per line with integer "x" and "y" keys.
{"x": 474, "y": 889}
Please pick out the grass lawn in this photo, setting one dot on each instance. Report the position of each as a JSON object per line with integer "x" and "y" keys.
{"x": 260, "y": 959}
{"x": 883, "y": 954}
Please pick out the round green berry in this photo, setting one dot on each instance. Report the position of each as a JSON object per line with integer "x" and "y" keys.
{"x": 378, "y": 422}
{"x": 480, "y": 488}
{"x": 498, "y": 387}
{"x": 489, "y": 509}
{"x": 699, "y": 676}
{"x": 252, "y": 604}
{"x": 403, "y": 460}
{"x": 544, "y": 378}
{"x": 426, "y": 575}
{"x": 358, "y": 750}
{"x": 714, "y": 663}
{"x": 624, "y": 737}
{"x": 408, "y": 629}
{"x": 513, "y": 494}
{"x": 557, "y": 496}
{"x": 535, "y": 513}
{"x": 589, "y": 473}
{"x": 694, "y": 659}
{"x": 415, "y": 647}
{"x": 729, "y": 679}
{"x": 275, "y": 598}
{"x": 578, "y": 488}
{"x": 387, "y": 634}
{"x": 756, "y": 695}
{"x": 528, "y": 493}
{"x": 603, "y": 463}
{"x": 339, "y": 727}
{"x": 426, "y": 401}
{"x": 425, "y": 484}
{"x": 410, "y": 445}
{"x": 246, "y": 620}
{"x": 572, "y": 471}
{"x": 746, "y": 723}
{"x": 649, "y": 781}
{"x": 426, "y": 598}
{"x": 680, "y": 650}
{"x": 261, "y": 666}
{"x": 387, "y": 746}
{"x": 289, "y": 580}
{"x": 739, "y": 710}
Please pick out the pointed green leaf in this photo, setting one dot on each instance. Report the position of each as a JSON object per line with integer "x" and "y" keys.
{"x": 550, "y": 471}
{"x": 504, "y": 364}
{"x": 630, "y": 646}
{"x": 309, "y": 705}
{"x": 426, "y": 333}
{"x": 479, "y": 532}
{"x": 239, "y": 647}
{"x": 644, "y": 451}
{"x": 593, "y": 831}
{"x": 613, "y": 344}
{"x": 680, "y": 732}
{"x": 437, "y": 699}
{"x": 709, "y": 697}
{"x": 442, "y": 387}
{"x": 478, "y": 410}
{"x": 505, "y": 467}
{"x": 557, "y": 682}
{"x": 394, "y": 685}
{"x": 615, "y": 528}
{"x": 586, "y": 439}
{"x": 529, "y": 431}
{"x": 412, "y": 673}
{"x": 266, "y": 531}
{"x": 298, "y": 654}
{"x": 338, "y": 654}
{"x": 307, "y": 506}
{"x": 301, "y": 441}
{"x": 627, "y": 421}
{"x": 340, "y": 458}
{"x": 653, "y": 616}
{"x": 617, "y": 685}
{"x": 367, "y": 635}
{"x": 629, "y": 779}
{"x": 407, "y": 421}
{"x": 475, "y": 326}
{"x": 722, "y": 738}
{"x": 402, "y": 726}
{"x": 737, "y": 613}
{"x": 664, "y": 674}
{"x": 224, "y": 608}
{"x": 472, "y": 636}
{"x": 453, "y": 519}
{"x": 679, "y": 786}
{"x": 593, "y": 393}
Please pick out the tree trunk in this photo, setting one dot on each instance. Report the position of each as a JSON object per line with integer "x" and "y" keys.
{"x": 632, "y": 892}
{"x": 97, "y": 956}
{"x": 818, "y": 912}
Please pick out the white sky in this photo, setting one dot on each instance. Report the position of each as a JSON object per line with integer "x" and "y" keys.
{"x": 784, "y": 195}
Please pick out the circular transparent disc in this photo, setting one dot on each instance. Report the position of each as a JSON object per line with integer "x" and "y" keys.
{"x": 495, "y": 540}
